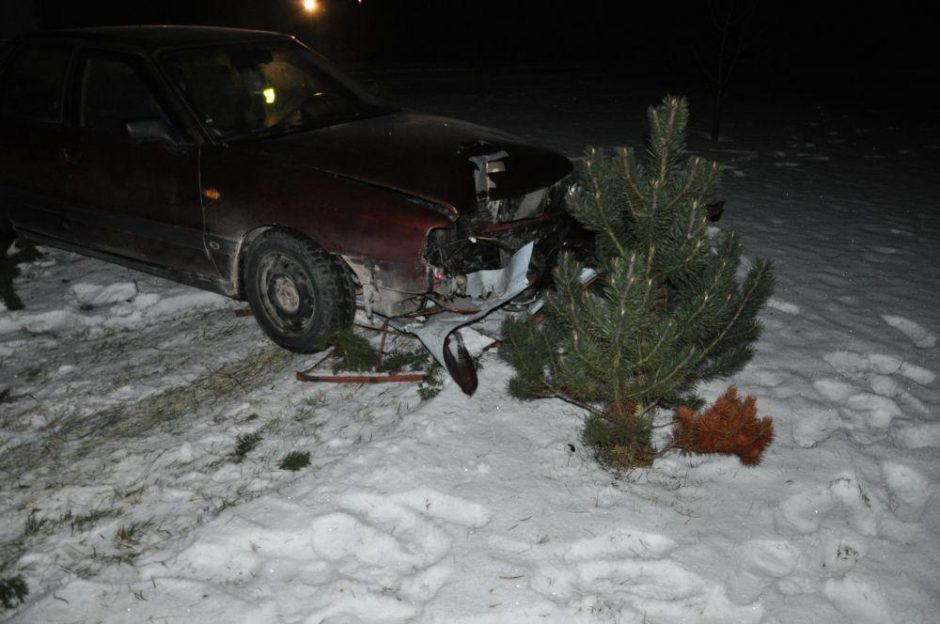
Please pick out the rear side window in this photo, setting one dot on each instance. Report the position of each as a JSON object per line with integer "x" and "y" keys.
{"x": 32, "y": 82}
{"x": 113, "y": 93}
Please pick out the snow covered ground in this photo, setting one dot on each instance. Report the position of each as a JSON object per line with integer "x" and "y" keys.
{"x": 123, "y": 499}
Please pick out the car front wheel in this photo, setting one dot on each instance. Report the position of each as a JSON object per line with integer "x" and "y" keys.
{"x": 298, "y": 293}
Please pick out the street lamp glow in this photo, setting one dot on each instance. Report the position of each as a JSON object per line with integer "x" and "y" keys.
{"x": 311, "y": 6}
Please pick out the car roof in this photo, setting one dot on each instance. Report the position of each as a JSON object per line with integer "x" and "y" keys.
{"x": 159, "y": 36}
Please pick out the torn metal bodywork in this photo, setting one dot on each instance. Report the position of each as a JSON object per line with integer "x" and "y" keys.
{"x": 440, "y": 333}
{"x": 481, "y": 239}
{"x": 488, "y": 258}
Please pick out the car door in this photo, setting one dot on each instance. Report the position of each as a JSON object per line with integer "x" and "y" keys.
{"x": 33, "y": 189}
{"x": 137, "y": 199}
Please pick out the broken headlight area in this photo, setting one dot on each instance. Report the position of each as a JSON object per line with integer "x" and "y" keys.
{"x": 486, "y": 238}
{"x": 455, "y": 252}
{"x": 541, "y": 201}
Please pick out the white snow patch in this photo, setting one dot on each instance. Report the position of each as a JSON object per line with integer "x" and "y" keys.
{"x": 760, "y": 562}
{"x": 783, "y": 306}
{"x": 804, "y": 512}
{"x": 97, "y": 295}
{"x": 620, "y": 543}
{"x": 918, "y": 335}
{"x": 917, "y": 436}
{"x": 858, "y": 366}
{"x": 858, "y": 601}
{"x": 909, "y": 490}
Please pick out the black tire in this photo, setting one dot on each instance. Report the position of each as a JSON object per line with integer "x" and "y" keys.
{"x": 298, "y": 293}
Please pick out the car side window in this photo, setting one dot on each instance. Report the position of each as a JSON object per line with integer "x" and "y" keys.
{"x": 32, "y": 82}
{"x": 112, "y": 92}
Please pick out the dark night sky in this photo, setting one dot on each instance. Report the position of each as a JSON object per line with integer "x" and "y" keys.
{"x": 793, "y": 45}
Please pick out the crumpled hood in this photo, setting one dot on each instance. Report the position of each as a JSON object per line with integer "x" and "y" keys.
{"x": 433, "y": 158}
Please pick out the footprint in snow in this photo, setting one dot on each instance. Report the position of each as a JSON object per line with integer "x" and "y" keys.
{"x": 398, "y": 541}
{"x": 866, "y": 416}
{"x": 857, "y": 366}
{"x": 842, "y": 502}
{"x": 835, "y": 390}
{"x": 760, "y": 562}
{"x": 917, "y": 334}
{"x": 89, "y": 296}
{"x": 858, "y": 601}
{"x": 631, "y": 569}
{"x": 839, "y": 553}
{"x": 909, "y": 490}
{"x": 814, "y": 426}
{"x": 917, "y": 436}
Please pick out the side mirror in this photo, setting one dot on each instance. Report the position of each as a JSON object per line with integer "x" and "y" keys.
{"x": 151, "y": 131}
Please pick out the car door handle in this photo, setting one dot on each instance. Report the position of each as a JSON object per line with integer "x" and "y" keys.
{"x": 71, "y": 156}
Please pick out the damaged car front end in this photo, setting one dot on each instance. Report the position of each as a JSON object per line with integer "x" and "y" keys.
{"x": 496, "y": 253}
{"x": 245, "y": 163}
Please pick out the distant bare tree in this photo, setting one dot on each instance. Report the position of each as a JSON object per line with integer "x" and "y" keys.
{"x": 733, "y": 29}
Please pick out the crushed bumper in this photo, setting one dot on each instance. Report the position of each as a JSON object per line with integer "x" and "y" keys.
{"x": 489, "y": 289}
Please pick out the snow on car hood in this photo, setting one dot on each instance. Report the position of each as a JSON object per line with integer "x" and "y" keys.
{"x": 434, "y": 158}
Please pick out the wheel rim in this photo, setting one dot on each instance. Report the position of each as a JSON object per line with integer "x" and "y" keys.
{"x": 287, "y": 293}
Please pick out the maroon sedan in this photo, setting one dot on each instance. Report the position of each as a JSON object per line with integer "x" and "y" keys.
{"x": 245, "y": 163}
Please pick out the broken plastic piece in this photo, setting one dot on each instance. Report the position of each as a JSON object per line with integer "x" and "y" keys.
{"x": 485, "y": 165}
{"x": 436, "y": 332}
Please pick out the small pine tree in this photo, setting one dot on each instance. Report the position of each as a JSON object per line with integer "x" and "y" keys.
{"x": 667, "y": 311}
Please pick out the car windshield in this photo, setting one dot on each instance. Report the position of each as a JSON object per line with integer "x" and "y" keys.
{"x": 265, "y": 89}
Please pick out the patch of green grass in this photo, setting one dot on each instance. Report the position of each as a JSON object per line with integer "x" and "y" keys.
{"x": 317, "y": 399}
{"x": 13, "y": 591}
{"x": 405, "y": 361}
{"x": 133, "y": 496}
{"x": 111, "y": 426}
{"x": 242, "y": 494}
{"x": 351, "y": 352}
{"x": 129, "y": 535}
{"x": 34, "y": 524}
{"x": 86, "y": 521}
{"x": 433, "y": 382}
{"x": 295, "y": 460}
{"x": 244, "y": 444}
